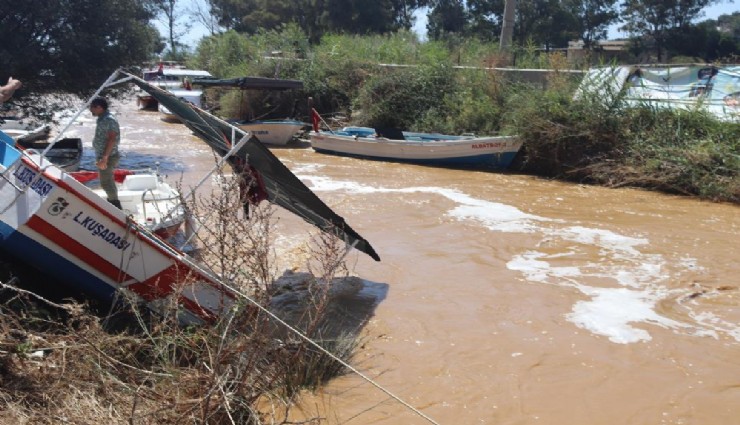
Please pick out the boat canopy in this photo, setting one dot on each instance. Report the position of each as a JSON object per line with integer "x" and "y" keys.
{"x": 245, "y": 83}
{"x": 265, "y": 177}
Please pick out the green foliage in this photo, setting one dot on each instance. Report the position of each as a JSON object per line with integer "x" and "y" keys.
{"x": 656, "y": 19}
{"x": 400, "y": 97}
{"x": 474, "y": 104}
{"x": 447, "y": 17}
{"x": 69, "y": 47}
{"x": 73, "y": 44}
{"x": 583, "y": 139}
{"x": 317, "y": 18}
{"x": 224, "y": 54}
{"x": 686, "y": 152}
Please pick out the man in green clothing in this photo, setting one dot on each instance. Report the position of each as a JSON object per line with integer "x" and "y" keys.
{"x": 105, "y": 143}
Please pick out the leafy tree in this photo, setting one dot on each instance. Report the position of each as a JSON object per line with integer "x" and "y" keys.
{"x": 657, "y": 19}
{"x": 544, "y": 22}
{"x": 317, "y": 17}
{"x": 72, "y": 45}
{"x": 486, "y": 18}
{"x": 592, "y": 18}
{"x": 171, "y": 14}
{"x": 707, "y": 41}
{"x": 201, "y": 12}
{"x": 730, "y": 24}
{"x": 403, "y": 11}
{"x": 447, "y": 17}
{"x": 230, "y": 13}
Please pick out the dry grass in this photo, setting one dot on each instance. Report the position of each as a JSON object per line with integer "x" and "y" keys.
{"x": 61, "y": 363}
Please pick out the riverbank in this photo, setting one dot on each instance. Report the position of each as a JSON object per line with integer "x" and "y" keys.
{"x": 435, "y": 88}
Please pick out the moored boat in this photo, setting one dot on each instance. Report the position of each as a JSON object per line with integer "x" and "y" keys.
{"x": 50, "y": 217}
{"x": 273, "y": 132}
{"x": 169, "y": 77}
{"x": 189, "y": 95}
{"x": 65, "y": 154}
{"x": 420, "y": 148}
{"x": 146, "y": 197}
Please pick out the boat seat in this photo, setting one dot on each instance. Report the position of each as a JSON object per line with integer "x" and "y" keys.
{"x": 390, "y": 133}
{"x": 139, "y": 182}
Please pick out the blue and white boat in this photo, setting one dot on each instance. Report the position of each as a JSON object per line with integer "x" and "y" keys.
{"x": 420, "y": 148}
{"x": 53, "y": 222}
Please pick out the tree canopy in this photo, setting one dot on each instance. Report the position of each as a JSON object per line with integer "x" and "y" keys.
{"x": 73, "y": 45}
{"x": 657, "y": 19}
{"x": 317, "y": 17}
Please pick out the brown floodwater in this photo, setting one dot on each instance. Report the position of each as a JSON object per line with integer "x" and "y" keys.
{"x": 509, "y": 299}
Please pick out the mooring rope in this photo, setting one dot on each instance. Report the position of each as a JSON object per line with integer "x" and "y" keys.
{"x": 325, "y": 351}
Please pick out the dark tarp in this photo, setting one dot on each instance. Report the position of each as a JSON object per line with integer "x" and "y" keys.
{"x": 245, "y": 83}
{"x": 272, "y": 180}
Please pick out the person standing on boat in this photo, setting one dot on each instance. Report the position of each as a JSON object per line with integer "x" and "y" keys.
{"x": 6, "y": 91}
{"x": 105, "y": 143}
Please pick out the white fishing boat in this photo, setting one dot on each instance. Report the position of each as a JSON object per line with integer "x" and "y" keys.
{"x": 146, "y": 197}
{"x": 192, "y": 96}
{"x": 278, "y": 132}
{"x": 273, "y": 132}
{"x": 167, "y": 76}
{"x": 420, "y": 148}
{"x": 53, "y": 222}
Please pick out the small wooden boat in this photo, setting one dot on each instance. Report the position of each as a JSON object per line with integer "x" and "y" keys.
{"x": 26, "y": 133}
{"x": 65, "y": 154}
{"x": 273, "y": 132}
{"x": 421, "y": 148}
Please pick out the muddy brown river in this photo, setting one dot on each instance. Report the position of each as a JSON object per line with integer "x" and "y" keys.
{"x": 509, "y": 299}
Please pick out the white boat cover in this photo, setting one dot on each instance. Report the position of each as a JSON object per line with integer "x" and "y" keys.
{"x": 711, "y": 88}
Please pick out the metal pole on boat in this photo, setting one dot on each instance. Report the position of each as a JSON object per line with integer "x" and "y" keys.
{"x": 83, "y": 109}
{"x": 247, "y": 136}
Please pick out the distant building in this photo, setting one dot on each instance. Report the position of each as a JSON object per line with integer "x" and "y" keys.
{"x": 605, "y": 51}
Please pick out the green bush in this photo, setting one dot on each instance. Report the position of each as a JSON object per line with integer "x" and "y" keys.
{"x": 449, "y": 87}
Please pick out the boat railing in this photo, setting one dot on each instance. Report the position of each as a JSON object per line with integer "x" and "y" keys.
{"x": 154, "y": 199}
{"x": 42, "y": 164}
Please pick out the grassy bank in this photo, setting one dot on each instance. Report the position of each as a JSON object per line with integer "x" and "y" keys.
{"x": 67, "y": 361}
{"x": 580, "y": 140}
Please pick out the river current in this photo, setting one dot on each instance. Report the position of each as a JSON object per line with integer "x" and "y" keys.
{"x": 509, "y": 299}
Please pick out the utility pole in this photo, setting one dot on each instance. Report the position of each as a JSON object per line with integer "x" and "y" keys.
{"x": 507, "y": 29}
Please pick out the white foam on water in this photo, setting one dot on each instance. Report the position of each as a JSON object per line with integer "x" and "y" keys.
{"x": 612, "y": 311}
{"x": 622, "y": 288}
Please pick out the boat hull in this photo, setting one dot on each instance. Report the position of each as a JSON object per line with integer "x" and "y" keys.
{"x": 277, "y": 133}
{"x": 497, "y": 152}
{"x": 147, "y": 102}
{"x": 54, "y": 223}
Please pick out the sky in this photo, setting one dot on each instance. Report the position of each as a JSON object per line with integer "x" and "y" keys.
{"x": 198, "y": 31}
